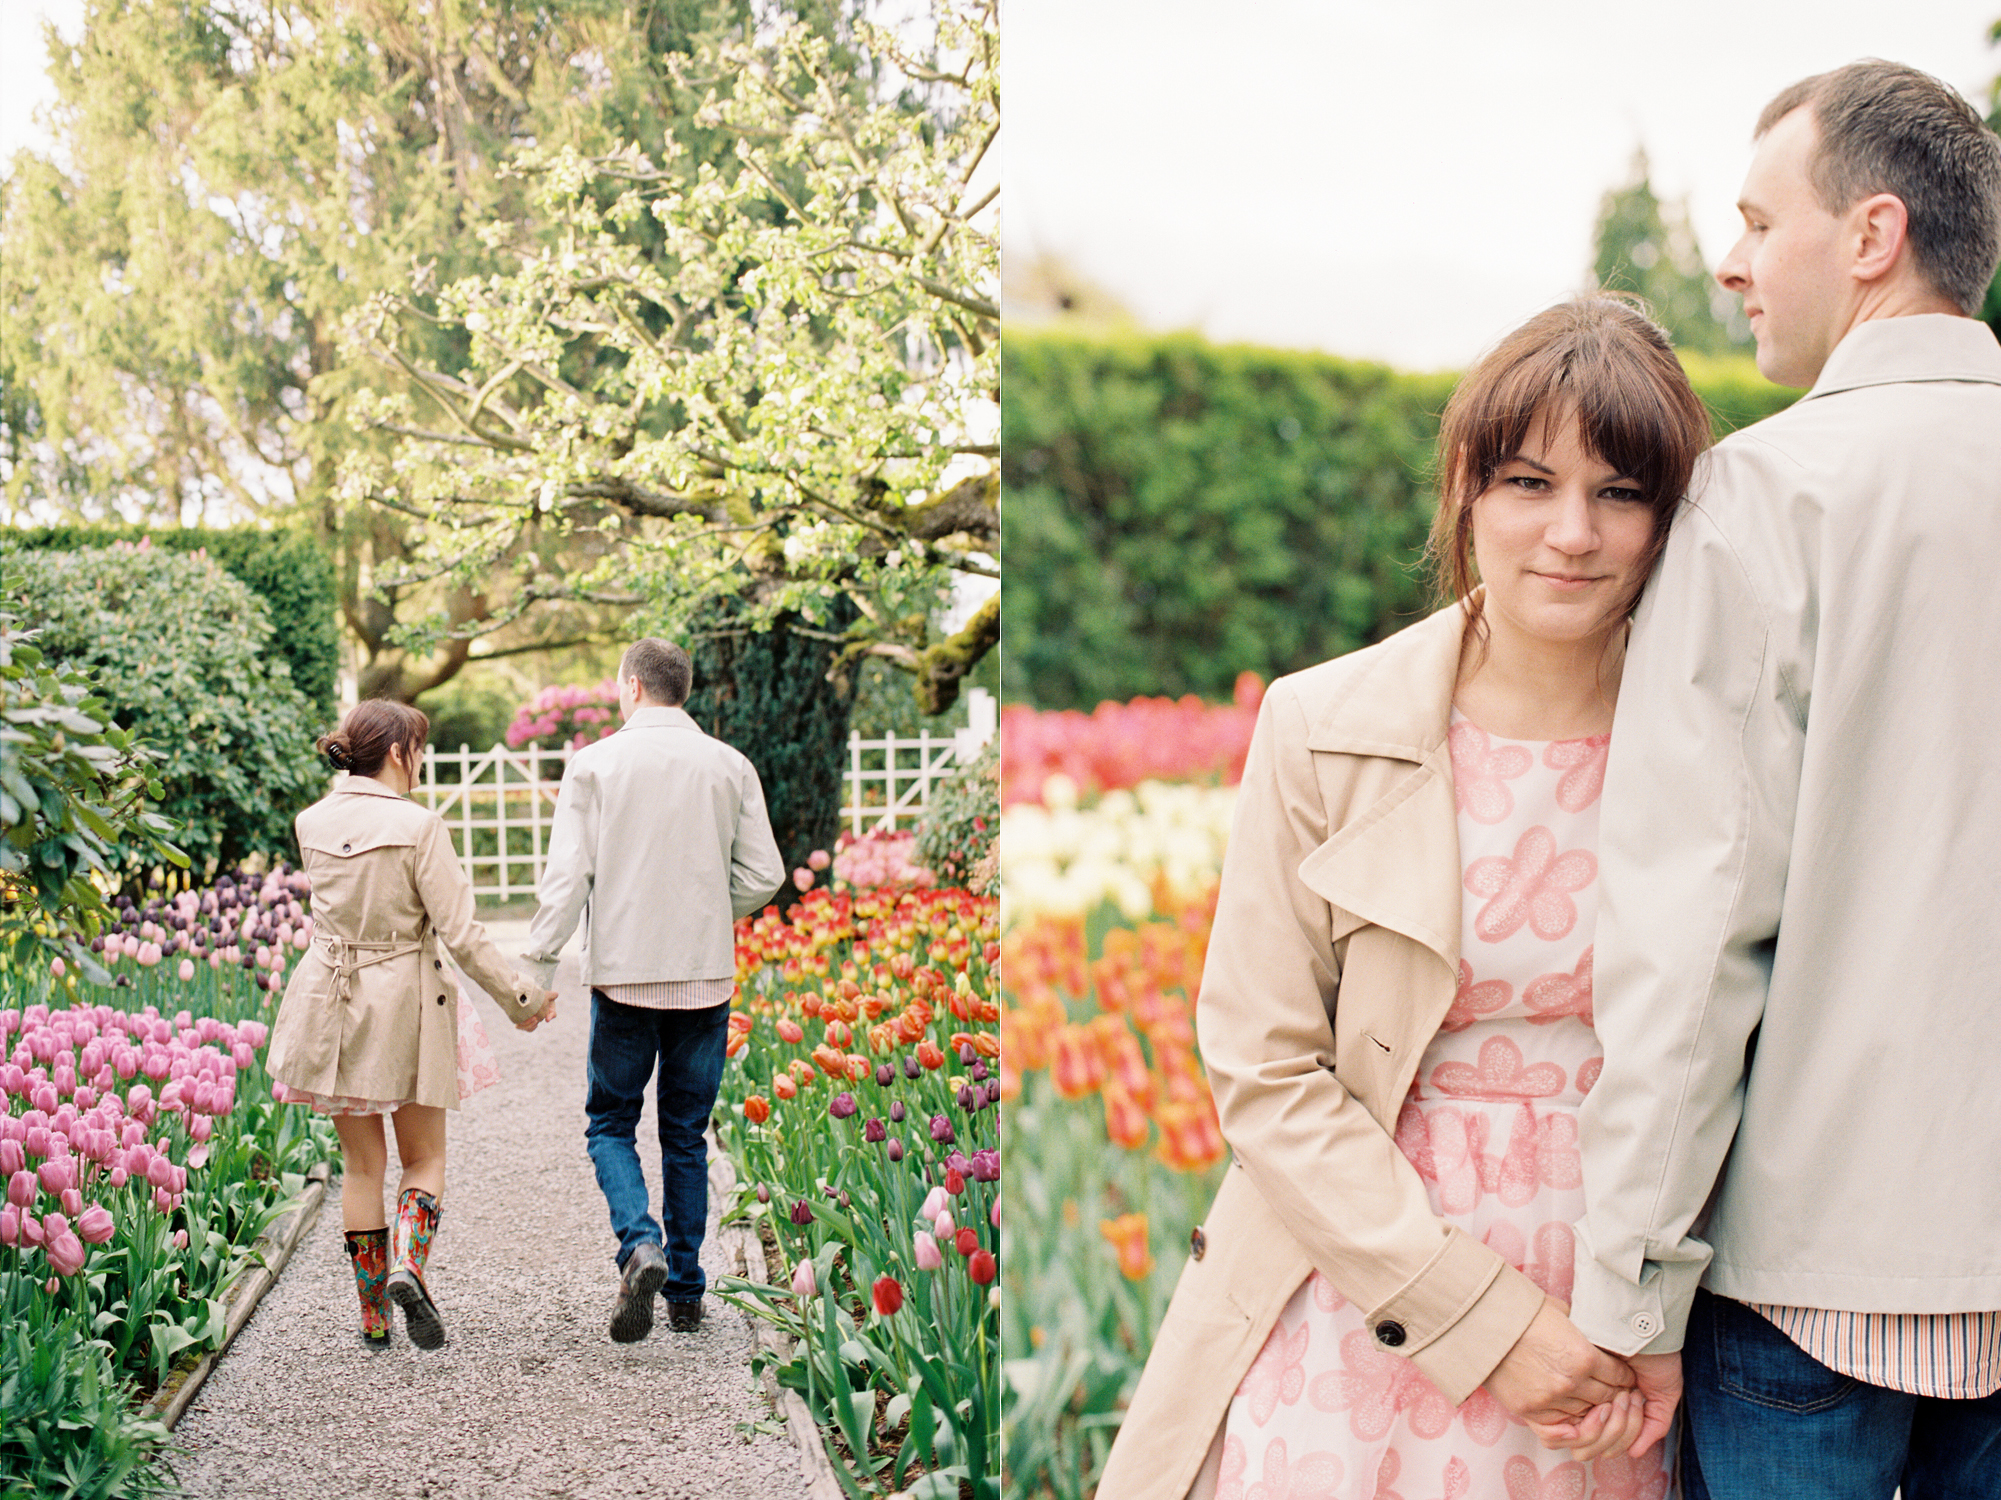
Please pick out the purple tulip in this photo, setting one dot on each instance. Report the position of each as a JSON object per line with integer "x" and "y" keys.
{"x": 966, "y": 1098}
{"x": 941, "y": 1130}
{"x": 910, "y": 1067}
{"x": 895, "y": 1149}
{"x": 843, "y": 1105}
{"x": 896, "y": 1110}
{"x": 872, "y": 1130}
{"x": 885, "y": 1075}
{"x": 986, "y": 1166}
{"x": 802, "y": 1212}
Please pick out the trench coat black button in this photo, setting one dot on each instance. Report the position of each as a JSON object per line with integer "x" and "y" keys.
{"x": 1198, "y": 1242}
{"x": 437, "y": 963}
{"x": 1390, "y": 1334}
{"x": 441, "y": 1001}
{"x": 344, "y": 848}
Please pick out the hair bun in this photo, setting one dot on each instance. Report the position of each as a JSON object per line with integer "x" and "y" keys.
{"x": 339, "y": 753}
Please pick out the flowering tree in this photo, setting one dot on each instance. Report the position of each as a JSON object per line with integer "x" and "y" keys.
{"x": 755, "y": 390}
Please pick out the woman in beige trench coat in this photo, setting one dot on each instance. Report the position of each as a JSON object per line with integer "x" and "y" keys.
{"x": 370, "y": 1023}
{"x": 1336, "y": 956}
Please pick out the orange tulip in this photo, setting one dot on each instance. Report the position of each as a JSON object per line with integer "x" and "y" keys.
{"x": 783, "y": 1086}
{"x": 929, "y": 1055}
{"x": 1126, "y": 1122}
{"x": 1077, "y": 1066}
{"x": 1127, "y": 1234}
{"x": 757, "y": 1109}
{"x": 791, "y": 1031}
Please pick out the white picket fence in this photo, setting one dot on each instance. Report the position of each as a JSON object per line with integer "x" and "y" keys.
{"x": 498, "y": 803}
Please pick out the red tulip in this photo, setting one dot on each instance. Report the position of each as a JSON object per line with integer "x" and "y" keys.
{"x": 981, "y": 1267}
{"x": 888, "y": 1294}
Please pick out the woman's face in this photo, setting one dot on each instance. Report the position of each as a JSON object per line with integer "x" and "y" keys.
{"x": 1559, "y": 538}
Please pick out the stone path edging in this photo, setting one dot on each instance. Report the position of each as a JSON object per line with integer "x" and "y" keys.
{"x": 747, "y": 1252}
{"x": 242, "y": 1292}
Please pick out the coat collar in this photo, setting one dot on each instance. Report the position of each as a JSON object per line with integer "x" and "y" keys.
{"x": 1923, "y": 346}
{"x": 1395, "y": 863}
{"x": 657, "y": 716}
{"x": 1400, "y": 703}
{"x": 366, "y": 786}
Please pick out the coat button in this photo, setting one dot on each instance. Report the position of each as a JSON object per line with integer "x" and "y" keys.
{"x": 437, "y": 963}
{"x": 1198, "y": 1242}
{"x": 441, "y": 999}
{"x": 1645, "y": 1325}
{"x": 1390, "y": 1334}
{"x": 344, "y": 848}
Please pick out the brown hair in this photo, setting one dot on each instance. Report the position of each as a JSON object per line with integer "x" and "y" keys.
{"x": 662, "y": 667}
{"x": 1886, "y": 128}
{"x": 361, "y": 744}
{"x": 1597, "y": 360}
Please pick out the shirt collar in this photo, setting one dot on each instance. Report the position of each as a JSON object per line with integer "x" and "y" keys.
{"x": 1922, "y": 346}
{"x": 654, "y": 716}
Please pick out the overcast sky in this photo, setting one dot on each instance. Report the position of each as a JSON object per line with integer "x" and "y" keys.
{"x": 1401, "y": 181}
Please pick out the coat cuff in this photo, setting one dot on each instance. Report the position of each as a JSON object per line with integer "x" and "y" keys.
{"x": 1458, "y": 1317}
{"x": 1625, "y": 1318}
{"x": 540, "y": 972}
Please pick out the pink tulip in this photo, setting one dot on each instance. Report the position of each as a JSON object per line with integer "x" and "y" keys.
{"x": 31, "y": 1229}
{"x": 934, "y": 1203}
{"x": 10, "y": 1225}
{"x": 803, "y": 879}
{"x": 160, "y": 1171}
{"x": 56, "y": 1174}
{"x": 95, "y": 1224}
{"x": 928, "y": 1256}
{"x": 13, "y": 1157}
{"x": 86, "y": 1096}
{"x": 818, "y": 859}
{"x": 119, "y": 1177}
{"x": 58, "y": 968}
{"x": 994, "y": 1217}
{"x": 186, "y": 970}
{"x": 214, "y": 960}
{"x": 201, "y": 1127}
{"x": 65, "y": 1252}
{"x": 803, "y": 1284}
{"x": 180, "y": 1239}
{"x": 943, "y": 1226}
{"x": 72, "y": 1201}
{"x": 163, "y": 1200}
{"x": 22, "y": 1189}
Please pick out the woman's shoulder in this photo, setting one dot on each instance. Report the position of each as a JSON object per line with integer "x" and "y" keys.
{"x": 1403, "y": 676}
{"x": 353, "y": 821}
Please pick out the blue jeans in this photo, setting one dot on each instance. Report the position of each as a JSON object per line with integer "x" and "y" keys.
{"x": 1766, "y": 1420}
{"x": 626, "y": 1040}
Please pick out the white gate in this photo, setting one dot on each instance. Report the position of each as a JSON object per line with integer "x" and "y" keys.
{"x": 499, "y": 803}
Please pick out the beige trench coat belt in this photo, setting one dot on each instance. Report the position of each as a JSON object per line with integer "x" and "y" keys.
{"x": 345, "y": 955}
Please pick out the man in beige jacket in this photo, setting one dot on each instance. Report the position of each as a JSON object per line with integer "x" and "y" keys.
{"x": 660, "y": 842}
{"x": 1799, "y": 930}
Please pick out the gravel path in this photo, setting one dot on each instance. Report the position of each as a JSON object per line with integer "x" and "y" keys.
{"x": 529, "y": 1398}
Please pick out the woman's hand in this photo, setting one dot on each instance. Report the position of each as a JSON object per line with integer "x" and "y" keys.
{"x": 1644, "y": 1422}
{"x": 546, "y": 1013}
{"x": 1554, "y": 1374}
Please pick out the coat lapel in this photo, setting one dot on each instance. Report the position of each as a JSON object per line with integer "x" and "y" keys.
{"x": 1395, "y": 861}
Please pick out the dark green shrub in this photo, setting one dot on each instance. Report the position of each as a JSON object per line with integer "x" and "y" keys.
{"x": 766, "y": 692}
{"x": 181, "y": 654}
{"x": 71, "y": 1427}
{"x": 955, "y": 838}
{"x": 287, "y": 567}
{"x": 1176, "y": 512}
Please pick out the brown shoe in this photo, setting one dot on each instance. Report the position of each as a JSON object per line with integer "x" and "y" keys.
{"x": 684, "y": 1317}
{"x": 644, "y": 1274}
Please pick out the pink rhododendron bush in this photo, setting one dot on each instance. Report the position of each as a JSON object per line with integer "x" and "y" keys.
{"x": 566, "y": 716}
{"x": 142, "y": 1154}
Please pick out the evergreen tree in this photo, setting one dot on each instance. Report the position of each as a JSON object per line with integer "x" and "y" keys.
{"x": 1647, "y": 247}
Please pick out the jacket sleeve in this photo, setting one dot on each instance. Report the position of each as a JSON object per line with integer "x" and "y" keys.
{"x": 447, "y": 896}
{"x": 1700, "y": 793}
{"x": 1330, "y": 1172}
{"x": 757, "y": 872}
{"x": 567, "y": 875}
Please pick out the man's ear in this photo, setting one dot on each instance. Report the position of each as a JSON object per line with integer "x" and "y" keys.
{"x": 1880, "y": 226}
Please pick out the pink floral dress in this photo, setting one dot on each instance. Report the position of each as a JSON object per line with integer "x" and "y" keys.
{"x": 477, "y": 1068}
{"x": 1491, "y": 1125}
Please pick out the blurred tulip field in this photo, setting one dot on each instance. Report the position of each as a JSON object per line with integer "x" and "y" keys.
{"x": 1111, "y": 848}
{"x": 142, "y": 1154}
{"x": 859, "y": 1104}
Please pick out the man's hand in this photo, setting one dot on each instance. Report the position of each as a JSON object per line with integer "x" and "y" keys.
{"x": 1634, "y": 1427}
{"x": 1554, "y": 1374}
{"x": 546, "y": 1013}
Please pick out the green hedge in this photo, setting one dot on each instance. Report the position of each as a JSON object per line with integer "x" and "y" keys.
{"x": 287, "y": 567}
{"x": 1176, "y": 512}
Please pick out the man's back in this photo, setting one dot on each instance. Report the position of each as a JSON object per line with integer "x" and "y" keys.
{"x": 1799, "y": 834}
{"x": 662, "y": 830}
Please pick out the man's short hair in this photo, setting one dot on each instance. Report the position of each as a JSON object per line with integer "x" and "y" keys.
{"x": 663, "y": 670}
{"x": 1886, "y": 128}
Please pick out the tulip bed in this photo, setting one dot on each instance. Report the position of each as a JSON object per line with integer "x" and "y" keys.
{"x": 1108, "y": 904}
{"x": 860, "y": 1107}
{"x": 142, "y": 1154}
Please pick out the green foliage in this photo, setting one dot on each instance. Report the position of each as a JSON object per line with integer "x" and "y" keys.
{"x": 469, "y": 710}
{"x": 181, "y": 654}
{"x": 288, "y": 568}
{"x": 767, "y": 693}
{"x": 71, "y": 1428}
{"x": 955, "y": 840}
{"x": 72, "y": 804}
{"x": 884, "y": 704}
{"x": 1178, "y": 512}
{"x": 1645, "y": 246}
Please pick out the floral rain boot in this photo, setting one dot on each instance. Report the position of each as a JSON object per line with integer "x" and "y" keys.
{"x": 409, "y": 1247}
{"x": 369, "y": 1250}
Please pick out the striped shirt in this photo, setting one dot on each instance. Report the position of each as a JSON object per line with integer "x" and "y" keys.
{"x": 1951, "y": 1355}
{"x": 672, "y": 994}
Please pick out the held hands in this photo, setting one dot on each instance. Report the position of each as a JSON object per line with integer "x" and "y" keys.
{"x": 1632, "y": 1422}
{"x": 1555, "y": 1377}
{"x": 546, "y": 1013}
